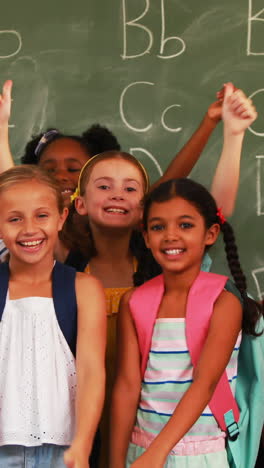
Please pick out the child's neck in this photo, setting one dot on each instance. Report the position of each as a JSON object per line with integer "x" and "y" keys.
{"x": 29, "y": 273}
{"x": 61, "y": 251}
{"x": 180, "y": 283}
{"x": 177, "y": 287}
{"x": 113, "y": 263}
{"x": 28, "y": 280}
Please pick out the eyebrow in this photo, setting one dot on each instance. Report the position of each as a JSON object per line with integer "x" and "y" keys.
{"x": 40, "y": 208}
{"x": 52, "y": 160}
{"x": 111, "y": 178}
{"x": 159, "y": 218}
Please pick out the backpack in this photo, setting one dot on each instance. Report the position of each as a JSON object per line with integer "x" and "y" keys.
{"x": 243, "y": 432}
{"x": 64, "y": 298}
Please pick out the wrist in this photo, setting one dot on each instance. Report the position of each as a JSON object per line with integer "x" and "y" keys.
{"x": 211, "y": 121}
{"x": 83, "y": 445}
{"x": 4, "y": 127}
{"x": 157, "y": 453}
{"x": 230, "y": 133}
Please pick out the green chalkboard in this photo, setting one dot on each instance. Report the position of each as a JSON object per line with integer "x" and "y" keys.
{"x": 147, "y": 69}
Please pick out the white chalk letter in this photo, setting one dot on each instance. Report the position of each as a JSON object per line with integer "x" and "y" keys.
{"x": 180, "y": 43}
{"x": 150, "y": 156}
{"x": 11, "y": 32}
{"x": 251, "y": 96}
{"x": 260, "y": 185}
{"x": 169, "y": 129}
{"x": 134, "y": 23}
{"x": 258, "y": 276}
{"x": 253, "y": 19}
{"x": 121, "y": 107}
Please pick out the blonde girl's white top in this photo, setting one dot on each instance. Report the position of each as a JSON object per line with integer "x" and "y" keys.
{"x": 37, "y": 375}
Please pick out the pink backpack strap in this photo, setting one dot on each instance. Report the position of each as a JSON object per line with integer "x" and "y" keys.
{"x": 144, "y": 305}
{"x": 202, "y": 296}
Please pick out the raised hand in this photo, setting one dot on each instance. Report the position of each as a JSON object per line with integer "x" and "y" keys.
{"x": 5, "y": 103}
{"x": 238, "y": 112}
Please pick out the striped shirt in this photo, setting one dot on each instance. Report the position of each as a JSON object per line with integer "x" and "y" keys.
{"x": 3, "y": 251}
{"x": 167, "y": 377}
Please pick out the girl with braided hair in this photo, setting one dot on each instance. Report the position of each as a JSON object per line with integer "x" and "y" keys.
{"x": 167, "y": 393}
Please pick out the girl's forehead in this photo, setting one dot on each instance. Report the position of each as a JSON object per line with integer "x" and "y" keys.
{"x": 175, "y": 205}
{"x": 116, "y": 168}
{"x": 26, "y": 190}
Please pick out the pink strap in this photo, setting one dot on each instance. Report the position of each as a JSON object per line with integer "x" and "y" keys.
{"x": 198, "y": 318}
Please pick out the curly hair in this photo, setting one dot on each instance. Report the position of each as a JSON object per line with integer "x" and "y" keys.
{"x": 94, "y": 140}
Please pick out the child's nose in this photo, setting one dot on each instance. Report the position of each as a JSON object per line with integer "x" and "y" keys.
{"x": 171, "y": 234}
{"x": 61, "y": 175}
{"x": 117, "y": 195}
{"x": 29, "y": 226}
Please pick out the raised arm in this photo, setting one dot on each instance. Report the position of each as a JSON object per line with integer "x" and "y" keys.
{"x": 223, "y": 333}
{"x": 127, "y": 387}
{"x": 6, "y": 160}
{"x": 90, "y": 368}
{"x": 238, "y": 114}
{"x": 184, "y": 161}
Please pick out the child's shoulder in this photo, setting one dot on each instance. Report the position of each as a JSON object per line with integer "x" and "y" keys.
{"x": 127, "y": 296}
{"x": 84, "y": 280}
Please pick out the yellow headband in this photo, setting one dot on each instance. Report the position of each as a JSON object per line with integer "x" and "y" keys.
{"x": 77, "y": 192}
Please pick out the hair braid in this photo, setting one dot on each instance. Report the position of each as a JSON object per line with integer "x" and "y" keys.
{"x": 252, "y": 310}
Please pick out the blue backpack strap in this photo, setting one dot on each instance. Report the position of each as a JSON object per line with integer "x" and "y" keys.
{"x": 65, "y": 303}
{"x": 4, "y": 278}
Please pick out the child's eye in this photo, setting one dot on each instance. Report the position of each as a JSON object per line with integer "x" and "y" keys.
{"x": 130, "y": 189}
{"x": 186, "y": 225}
{"x": 156, "y": 227}
{"x": 103, "y": 187}
{"x": 15, "y": 219}
{"x": 42, "y": 215}
{"x": 74, "y": 169}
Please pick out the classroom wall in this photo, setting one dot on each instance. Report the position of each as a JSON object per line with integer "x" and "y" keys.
{"x": 147, "y": 69}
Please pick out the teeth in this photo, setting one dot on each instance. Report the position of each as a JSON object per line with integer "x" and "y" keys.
{"x": 31, "y": 243}
{"x": 67, "y": 191}
{"x": 115, "y": 210}
{"x": 173, "y": 251}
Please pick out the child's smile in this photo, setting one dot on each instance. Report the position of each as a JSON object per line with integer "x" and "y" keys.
{"x": 177, "y": 235}
{"x": 30, "y": 220}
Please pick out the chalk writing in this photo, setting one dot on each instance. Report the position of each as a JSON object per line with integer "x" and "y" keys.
{"x": 19, "y": 40}
{"x": 169, "y": 129}
{"x": 251, "y": 97}
{"x": 252, "y": 19}
{"x": 260, "y": 185}
{"x": 149, "y": 126}
{"x": 258, "y": 276}
{"x": 150, "y": 156}
{"x": 121, "y": 107}
{"x": 135, "y": 23}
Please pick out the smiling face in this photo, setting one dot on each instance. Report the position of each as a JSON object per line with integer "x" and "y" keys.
{"x": 177, "y": 235}
{"x": 64, "y": 158}
{"x": 30, "y": 220}
{"x": 113, "y": 194}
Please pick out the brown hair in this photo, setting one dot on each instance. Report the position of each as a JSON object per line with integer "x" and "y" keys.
{"x": 106, "y": 155}
{"x": 76, "y": 233}
{"x": 26, "y": 173}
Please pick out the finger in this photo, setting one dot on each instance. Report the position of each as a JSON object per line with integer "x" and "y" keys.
{"x": 229, "y": 89}
{"x": 7, "y": 89}
{"x": 249, "y": 114}
{"x": 221, "y": 93}
{"x": 237, "y": 99}
{"x": 68, "y": 460}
